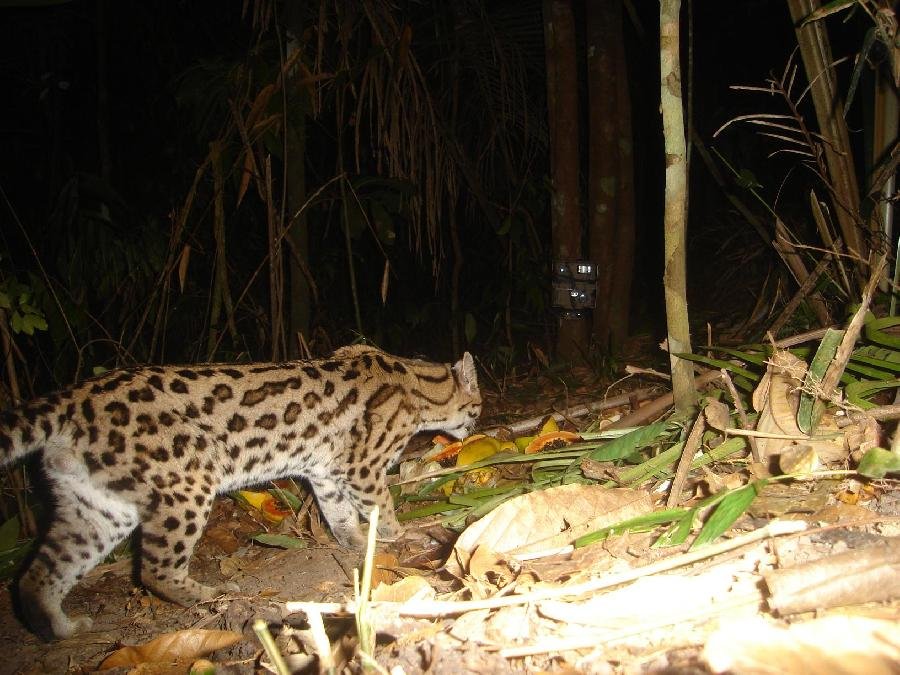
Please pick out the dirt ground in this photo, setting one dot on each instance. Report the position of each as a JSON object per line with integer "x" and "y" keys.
{"x": 124, "y": 613}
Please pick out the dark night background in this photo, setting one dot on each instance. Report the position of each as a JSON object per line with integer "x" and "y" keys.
{"x": 103, "y": 241}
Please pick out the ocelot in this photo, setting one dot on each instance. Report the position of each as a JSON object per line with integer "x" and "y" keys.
{"x": 152, "y": 446}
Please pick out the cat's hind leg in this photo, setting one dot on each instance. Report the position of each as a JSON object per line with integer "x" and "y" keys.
{"x": 88, "y": 523}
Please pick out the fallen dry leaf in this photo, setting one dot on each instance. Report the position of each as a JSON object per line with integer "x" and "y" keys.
{"x": 547, "y": 520}
{"x": 717, "y": 414}
{"x": 489, "y": 567}
{"x": 831, "y": 645}
{"x": 178, "y": 646}
{"x": 471, "y": 626}
{"x": 413, "y": 587}
{"x": 777, "y": 398}
{"x": 658, "y": 599}
{"x": 778, "y": 499}
{"x": 223, "y": 537}
{"x": 798, "y": 458}
{"x": 383, "y": 565}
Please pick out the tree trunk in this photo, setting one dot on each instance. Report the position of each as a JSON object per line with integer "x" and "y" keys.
{"x": 675, "y": 266}
{"x": 221, "y": 293}
{"x": 562, "y": 115}
{"x": 610, "y": 180}
{"x": 300, "y": 298}
{"x": 620, "y": 301}
{"x": 815, "y": 51}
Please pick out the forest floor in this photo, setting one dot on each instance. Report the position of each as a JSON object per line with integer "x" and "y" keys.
{"x": 664, "y": 623}
{"x": 126, "y": 614}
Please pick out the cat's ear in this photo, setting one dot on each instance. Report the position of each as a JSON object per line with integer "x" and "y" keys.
{"x": 466, "y": 374}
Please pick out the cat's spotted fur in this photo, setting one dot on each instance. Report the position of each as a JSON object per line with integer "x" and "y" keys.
{"x": 152, "y": 446}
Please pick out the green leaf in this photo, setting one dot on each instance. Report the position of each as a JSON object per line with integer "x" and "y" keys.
{"x": 678, "y": 532}
{"x": 9, "y": 534}
{"x": 626, "y": 445}
{"x": 289, "y": 499}
{"x": 757, "y": 358}
{"x": 10, "y": 561}
{"x": 878, "y": 462}
{"x": 728, "y": 511}
{"x": 280, "y": 540}
{"x": 861, "y": 60}
{"x": 747, "y": 180}
{"x": 857, "y": 392}
{"x": 877, "y": 357}
{"x": 5, "y": 302}
{"x": 16, "y": 322}
{"x": 640, "y": 523}
{"x": 32, "y": 322}
{"x": 809, "y": 413}
{"x": 875, "y": 330}
{"x": 384, "y": 223}
{"x": 719, "y": 363}
{"x": 428, "y": 510}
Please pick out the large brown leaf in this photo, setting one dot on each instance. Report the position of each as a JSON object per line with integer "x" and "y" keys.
{"x": 547, "y": 520}
{"x": 178, "y": 646}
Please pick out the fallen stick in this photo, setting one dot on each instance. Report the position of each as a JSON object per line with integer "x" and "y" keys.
{"x": 658, "y": 406}
{"x": 437, "y": 608}
{"x": 577, "y": 411}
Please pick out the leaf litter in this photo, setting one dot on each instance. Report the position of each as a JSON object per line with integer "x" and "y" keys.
{"x": 579, "y": 562}
{"x": 610, "y": 543}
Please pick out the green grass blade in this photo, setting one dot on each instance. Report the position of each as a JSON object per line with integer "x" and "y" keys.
{"x": 875, "y": 330}
{"x": 678, "y": 533}
{"x": 724, "y": 515}
{"x": 857, "y": 392}
{"x": 719, "y": 363}
{"x": 429, "y": 510}
{"x": 627, "y": 445}
{"x": 638, "y": 524}
{"x": 809, "y": 412}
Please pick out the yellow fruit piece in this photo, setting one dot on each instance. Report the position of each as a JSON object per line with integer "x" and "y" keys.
{"x": 480, "y": 478}
{"x": 441, "y": 451}
{"x": 474, "y": 449}
{"x": 507, "y": 446}
{"x": 549, "y": 427}
{"x": 523, "y": 442}
{"x": 477, "y": 450}
{"x": 266, "y": 504}
{"x": 254, "y": 499}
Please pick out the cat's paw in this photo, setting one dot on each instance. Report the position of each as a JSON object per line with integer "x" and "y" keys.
{"x": 389, "y": 528}
{"x": 350, "y": 537}
{"x": 227, "y": 587}
{"x": 67, "y": 626}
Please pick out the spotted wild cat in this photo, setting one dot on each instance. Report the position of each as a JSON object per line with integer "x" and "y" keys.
{"x": 152, "y": 446}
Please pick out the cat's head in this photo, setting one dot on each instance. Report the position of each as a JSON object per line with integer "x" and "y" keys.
{"x": 455, "y": 406}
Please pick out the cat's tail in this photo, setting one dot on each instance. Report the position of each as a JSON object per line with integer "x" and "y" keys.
{"x": 25, "y": 429}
